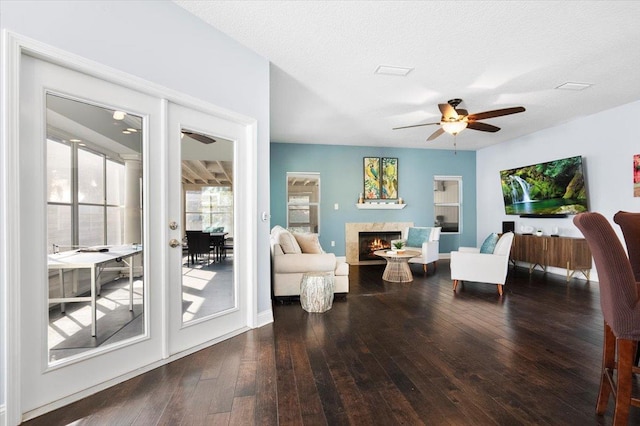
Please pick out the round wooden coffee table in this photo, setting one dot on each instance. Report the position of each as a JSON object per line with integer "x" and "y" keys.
{"x": 397, "y": 270}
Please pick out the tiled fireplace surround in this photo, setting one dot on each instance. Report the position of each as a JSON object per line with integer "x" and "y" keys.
{"x": 353, "y": 229}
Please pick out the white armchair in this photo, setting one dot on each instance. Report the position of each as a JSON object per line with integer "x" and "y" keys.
{"x": 426, "y": 240}
{"x": 468, "y": 264}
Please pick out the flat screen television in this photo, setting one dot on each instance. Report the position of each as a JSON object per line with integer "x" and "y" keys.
{"x": 552, "y": 189}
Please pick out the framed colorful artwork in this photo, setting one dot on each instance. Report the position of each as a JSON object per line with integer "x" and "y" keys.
{"x": 380, "y": 178}
{"x": 636, "y": 175}
{"x": 371, "y": 178}
{"x": 389, "y": 178}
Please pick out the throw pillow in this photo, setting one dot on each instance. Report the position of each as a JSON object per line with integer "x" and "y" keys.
{"x": 489, "y": 244}
{"x": 288, "y": 242}
{"x": 417, "y": 236}
{"x": 308, "y": 243}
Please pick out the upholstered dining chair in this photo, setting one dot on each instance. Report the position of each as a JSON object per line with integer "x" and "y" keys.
{"x": 619, "y": 300}
{"x": 630, "y": 225}
{"x": 198, "y": 244}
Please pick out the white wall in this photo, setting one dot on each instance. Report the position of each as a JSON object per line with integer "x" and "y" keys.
{"x": 607, "y": 141}
{"x": 162, "y": 43}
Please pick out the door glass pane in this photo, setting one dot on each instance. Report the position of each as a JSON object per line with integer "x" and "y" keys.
{"x": 115, "y": 225}
{"x": 208, "y": 285}
{"x": 58, "y": 172}
{"x": 59, "y": 227}
{"x": 94, "y": 175}
{"x": 90, "y": 177}
{"x": 90, "y": 226}
{"x": 115, "y": 183}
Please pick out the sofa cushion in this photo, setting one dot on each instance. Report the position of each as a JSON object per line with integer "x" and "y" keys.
{"x": 308, "y": 242}
{"x": 287, "y": 241}
{"x": 489, "y": 244}
{"x": 417, "y": 236}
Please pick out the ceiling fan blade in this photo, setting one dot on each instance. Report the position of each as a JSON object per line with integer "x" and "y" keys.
{"x": 415, "y": 125}
{"x": 462, "y": 112}
{"x": 496, "y": 113}
{"x": 483, "y": 127}
{"x": 435, "y": 134}
{"x": 448, "y": 112}
{"x": 200, "y": 138}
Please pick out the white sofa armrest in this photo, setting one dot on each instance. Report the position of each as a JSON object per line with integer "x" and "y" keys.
{"x": 482, "y": 267}
{"x": 431, "y": 251}
{"x": 304, "y": 262}
{"x": 469, "y": 249}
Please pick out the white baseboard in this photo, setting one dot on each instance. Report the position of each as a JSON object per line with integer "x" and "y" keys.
{"x": 265, "y": 317}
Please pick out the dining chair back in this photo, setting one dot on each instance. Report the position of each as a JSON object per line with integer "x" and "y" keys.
{"x": 630, "y": 225}
{"x": 621, "y": 312}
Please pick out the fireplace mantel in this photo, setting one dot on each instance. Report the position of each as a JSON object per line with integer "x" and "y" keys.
{"x": 380, "y": 206}
{"x": 353, "y": 229}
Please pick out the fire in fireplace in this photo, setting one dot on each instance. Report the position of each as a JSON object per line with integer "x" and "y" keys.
{"x": 369, "y": 242}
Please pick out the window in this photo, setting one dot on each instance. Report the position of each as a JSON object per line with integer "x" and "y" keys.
{"x": 303, "y": 202}
{"x": 85, "y": 197}
{"x": 447, "y": 199}
{"x": 208, "y": 208}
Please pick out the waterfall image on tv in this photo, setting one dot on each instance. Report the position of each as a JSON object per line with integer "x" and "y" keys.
{"x": 552, "y": 188}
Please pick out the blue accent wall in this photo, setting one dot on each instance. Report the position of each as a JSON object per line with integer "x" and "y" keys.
{"x": 341, "y": 181}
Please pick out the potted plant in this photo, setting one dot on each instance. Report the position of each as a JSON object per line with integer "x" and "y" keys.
{"x": 398, "y": 246}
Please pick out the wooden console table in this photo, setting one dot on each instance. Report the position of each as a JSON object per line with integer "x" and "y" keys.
{"x": 570, "y": 253}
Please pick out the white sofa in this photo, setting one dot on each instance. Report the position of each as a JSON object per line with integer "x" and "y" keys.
{"x": 289, "y": 263}
{"x": 469, "y": 264}
{"x": 426, "y": 240}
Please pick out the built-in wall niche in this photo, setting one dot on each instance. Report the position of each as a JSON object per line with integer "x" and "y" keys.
{"x": 447, "y": 200}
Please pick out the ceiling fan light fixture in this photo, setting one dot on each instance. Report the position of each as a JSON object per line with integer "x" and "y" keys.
{"x": 453, "y": 127}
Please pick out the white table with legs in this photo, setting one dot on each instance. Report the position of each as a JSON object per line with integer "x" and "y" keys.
{"x": 96, "y": 262}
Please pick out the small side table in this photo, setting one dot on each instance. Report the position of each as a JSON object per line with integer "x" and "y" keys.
{"x": 316, "y": 291}
{"x": 397, "y": 269}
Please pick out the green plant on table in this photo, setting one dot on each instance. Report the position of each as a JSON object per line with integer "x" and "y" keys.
{"x": 398, "y": 244}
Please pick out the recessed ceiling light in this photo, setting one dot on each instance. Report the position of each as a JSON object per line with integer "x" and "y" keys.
{"x": 132, "y": 130}
{"x": 126, "y": 132}
{"x": 391, "y": 70}
{"x": 574, "y": 86}
{"x": 75, "y": 140}
{"x": 119, "y": 115}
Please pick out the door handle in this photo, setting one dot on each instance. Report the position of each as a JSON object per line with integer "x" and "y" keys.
{"x": 173, "y": 225}
{"x": 174, "y": 243}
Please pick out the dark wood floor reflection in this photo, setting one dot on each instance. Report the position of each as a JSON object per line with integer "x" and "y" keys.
{"x": 388, "y": 354}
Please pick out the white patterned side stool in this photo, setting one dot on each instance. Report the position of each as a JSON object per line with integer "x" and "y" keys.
{"x": 316, "y": 291}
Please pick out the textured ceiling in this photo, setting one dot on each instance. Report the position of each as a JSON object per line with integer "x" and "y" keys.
{"x": 492, "y": 54}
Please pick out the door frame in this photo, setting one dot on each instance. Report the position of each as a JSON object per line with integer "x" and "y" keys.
{"x": 13, "y": 47}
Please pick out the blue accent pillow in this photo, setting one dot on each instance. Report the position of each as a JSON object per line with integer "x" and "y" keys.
{"x": 489, "y": 244}
{"x": 417, "y": 236}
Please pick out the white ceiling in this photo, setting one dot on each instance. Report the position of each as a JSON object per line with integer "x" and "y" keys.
{"x": 492, "y": 54}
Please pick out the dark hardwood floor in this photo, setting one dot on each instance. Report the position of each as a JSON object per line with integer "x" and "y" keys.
{"x": 388, "y": 354}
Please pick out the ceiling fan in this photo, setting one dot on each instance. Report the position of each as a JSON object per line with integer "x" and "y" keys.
{"x": 454, "y": 120}
{"x": 199, "y": 137}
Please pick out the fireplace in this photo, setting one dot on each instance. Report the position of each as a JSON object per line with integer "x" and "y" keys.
{"x": 369, "y": 242}
{"x": 352, "y": 230}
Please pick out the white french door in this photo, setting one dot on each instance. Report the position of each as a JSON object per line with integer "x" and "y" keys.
{"x": 168, "y": 330}
{"x": 206, "y": 300}
{"x": 43, "y": 380}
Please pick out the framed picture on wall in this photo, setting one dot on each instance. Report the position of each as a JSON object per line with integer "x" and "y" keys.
{"x": 371, "y": 172}
{"x": 389, "y": 178}
{"x": 380, "y": 178}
